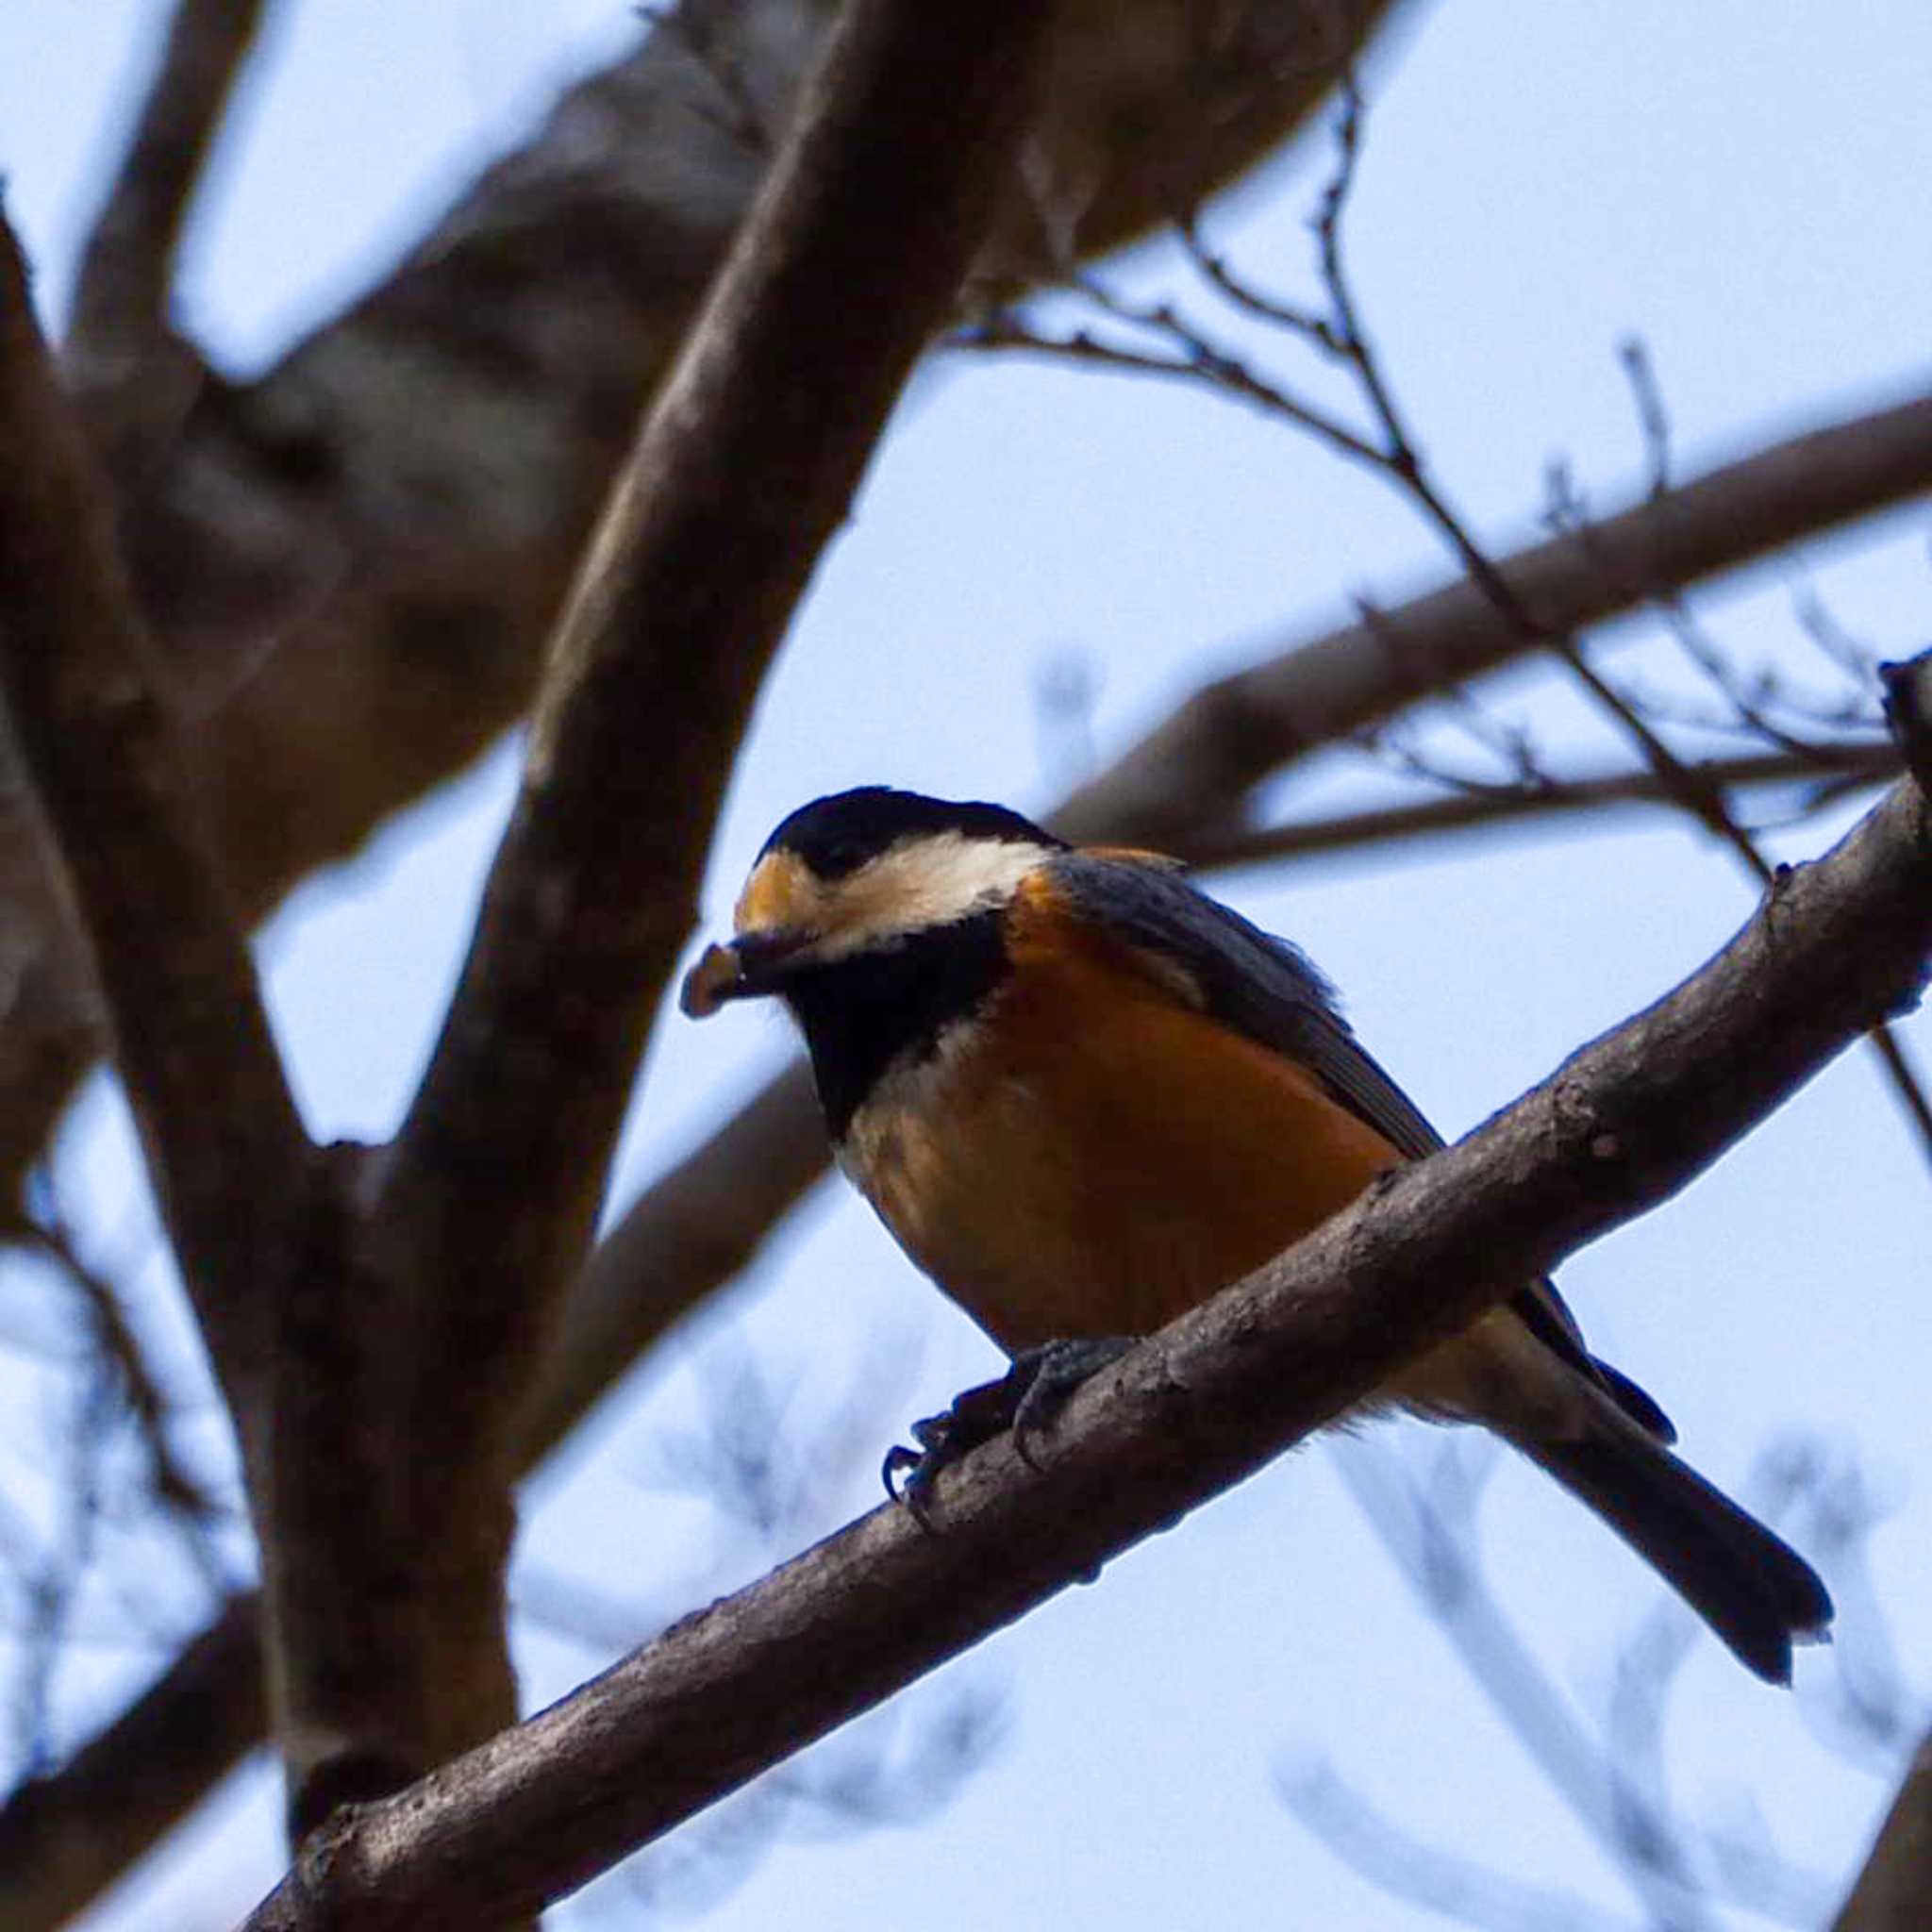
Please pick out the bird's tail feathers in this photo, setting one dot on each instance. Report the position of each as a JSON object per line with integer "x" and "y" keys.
{"x": 1751, "y": 1587}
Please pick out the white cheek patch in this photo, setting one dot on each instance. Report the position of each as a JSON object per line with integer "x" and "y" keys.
{"x": 923, "y": 883}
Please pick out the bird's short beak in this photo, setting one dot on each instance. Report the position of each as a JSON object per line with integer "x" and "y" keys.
{"x": 751, "y": 966}
{"x": 716, "y": 977}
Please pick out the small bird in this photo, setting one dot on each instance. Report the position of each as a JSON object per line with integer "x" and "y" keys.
{"x": 1084, "y": 1096}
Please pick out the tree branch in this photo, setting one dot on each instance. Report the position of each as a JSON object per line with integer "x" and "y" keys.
{"x": 1894, "y": 1893}
{"x": 474, "y": 1219}
{"x": 886, "y": 186}
{"x": 692, "y": 1230}
{"x": 222, "y": 1135}
{"x": 379, "y": 531}
{"x": 1833, "y": 770}
{"x": 1193, "y": 769}
{"x": 723, "y": 1696}
{"x": 64, "y": 1838}
{"x": 132, "y": 377}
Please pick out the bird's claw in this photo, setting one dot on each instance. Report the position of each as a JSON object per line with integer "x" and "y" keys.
{"x": 1027, "y": 1399}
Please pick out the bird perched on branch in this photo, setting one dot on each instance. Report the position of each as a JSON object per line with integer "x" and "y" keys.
{"x": 1084, "y": 1096}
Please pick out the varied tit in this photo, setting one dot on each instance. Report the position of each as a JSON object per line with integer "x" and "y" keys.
{"x": 1084, "y": 1096}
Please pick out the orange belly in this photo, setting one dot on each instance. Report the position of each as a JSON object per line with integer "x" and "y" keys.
{"x": 1099, "y": 1178}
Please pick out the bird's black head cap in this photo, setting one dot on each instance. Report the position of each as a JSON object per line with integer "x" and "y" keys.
{"x": 837, "y": 835}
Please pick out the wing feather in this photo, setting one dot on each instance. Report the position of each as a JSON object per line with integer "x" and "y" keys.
{"x": 1267, "y": 989}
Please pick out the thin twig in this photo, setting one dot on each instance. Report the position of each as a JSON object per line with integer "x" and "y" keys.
{"x": 1564, "y": 797}
{"x": 1405, "y": 1866}
{"x": 178, "y": 1491}
{"x": 1198, "y": 362}
{"x": 1441, "y": 1567}
{"x": 130, "y": 373}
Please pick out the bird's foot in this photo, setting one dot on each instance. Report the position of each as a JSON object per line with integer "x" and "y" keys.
{"x": 1048, "y": 1375}
{"x": 1026, "y": 1399}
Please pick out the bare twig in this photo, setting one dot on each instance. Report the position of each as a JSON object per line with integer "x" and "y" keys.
{"x": 726, "y": 1693}
{"x": 1397, "y": 1862}
{"x": 1853, "y": 766}
{"x": 1193, "y": 769}
{"x": 1400, "y": 457}
{"x": 1652, "y": 418}
{"x": 1191, "y": 356}
{"x": 1441, "y": 1567}
{"x": 179, "y": 1494}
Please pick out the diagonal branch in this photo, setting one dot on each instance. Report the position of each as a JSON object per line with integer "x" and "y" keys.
{"x": 219, "y": 1125}
{"x": 1623, "y": 1124}
{"x": 746, "y": 467}
{"x": 1196, "y": 766}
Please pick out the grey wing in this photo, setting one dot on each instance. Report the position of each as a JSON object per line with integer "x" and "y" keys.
{"x": 1267, "y": 989}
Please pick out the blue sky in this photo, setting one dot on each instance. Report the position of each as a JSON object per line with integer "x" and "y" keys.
{"x": 1740, "y": 183}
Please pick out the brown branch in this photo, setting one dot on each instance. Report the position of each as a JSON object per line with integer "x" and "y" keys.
{"x": 63, "y": 1837}
{"x": 1194, "y": 769}
{"x": 723, "y": 1696}
{"x": 353, "y": 562}
{"x": 1196, "y": 363}
{"x": 886, "y": 185}
{"x": 132, "y": 377}
{"x": 692, "y": 1230}
{"x": 479, "y": 1212}
{"x": 222, "y": 1135}
{"x": 1893, "y": 1891}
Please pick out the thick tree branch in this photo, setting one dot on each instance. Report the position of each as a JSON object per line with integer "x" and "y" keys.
{"x": 1622, "y": 1125}
{"x": 219, "y": 1125}
{"x": 886, "y": 187}
{"x": 477, "y": 1215}
{"x": 352, "y": 563}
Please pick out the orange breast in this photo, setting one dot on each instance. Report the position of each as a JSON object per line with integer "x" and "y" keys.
{"x": 1094, "y": 1158}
